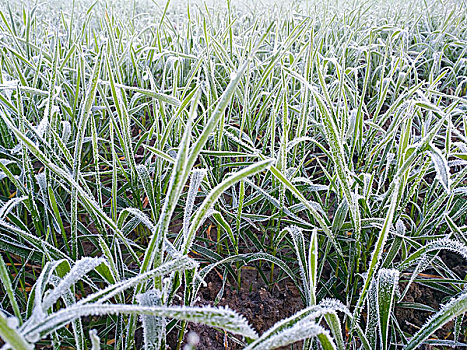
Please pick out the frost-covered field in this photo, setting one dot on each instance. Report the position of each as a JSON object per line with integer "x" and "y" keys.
{"x": 147, "y": 147}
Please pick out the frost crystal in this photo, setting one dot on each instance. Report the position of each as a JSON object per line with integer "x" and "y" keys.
{"x": 12, "y": 322}
{"x": 192, "y": 340}
{"x": 95, "y": 340}
{"x": 179, "y": 264}
{"x": 33, "y": 337}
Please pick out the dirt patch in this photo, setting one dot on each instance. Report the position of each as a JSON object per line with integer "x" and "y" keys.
{"x": 260, "y": 306}
{"x": 411, "y": 320}
{"x": 455, "y": 262}
{"x": 263, "y": 306}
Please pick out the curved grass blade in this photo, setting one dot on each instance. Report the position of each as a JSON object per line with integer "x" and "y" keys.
{"x": 180, "y": 264}
{"x": 177, "y": 181}
{"x": 441, "y": 166}
{"x": 337, "y": 152}
{"x": 295, "y": 326}
{"x": 223, "y": 318}
{"x": 455, "y": 307}
{"x": 299, "y": 331}
{"x": 434, "y": 246}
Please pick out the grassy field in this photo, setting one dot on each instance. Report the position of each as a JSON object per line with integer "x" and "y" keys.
{"x": 148, "y": 147}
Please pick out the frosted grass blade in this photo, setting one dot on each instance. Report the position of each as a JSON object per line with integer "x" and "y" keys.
{"x": 455, "y": 307}
{"x": 223, "y": 318}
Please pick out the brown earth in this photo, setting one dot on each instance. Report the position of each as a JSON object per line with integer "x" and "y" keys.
{"x": 261, "y": 307}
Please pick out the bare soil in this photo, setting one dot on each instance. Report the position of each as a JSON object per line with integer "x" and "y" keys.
{"x": 263, "y": 307}
{"x": 260, "y": 306}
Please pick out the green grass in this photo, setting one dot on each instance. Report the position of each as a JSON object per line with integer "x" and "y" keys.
{"x": 325, "y": 142}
